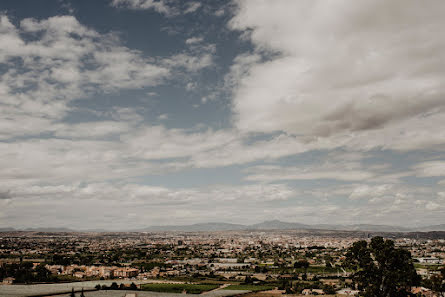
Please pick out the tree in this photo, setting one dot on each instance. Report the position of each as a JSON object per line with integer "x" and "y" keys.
{"x": 114, "y": 286}
{"x": 380, "y": 269}
{"x": 328, "y": 289}
{"x": 301, "y": 264}
{"x": 133, "y": 286}
{"x": 437, "y": 282}
{"x": 42, "y": 274}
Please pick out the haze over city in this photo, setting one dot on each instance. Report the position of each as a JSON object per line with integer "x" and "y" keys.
{"x": 125, "y": 114}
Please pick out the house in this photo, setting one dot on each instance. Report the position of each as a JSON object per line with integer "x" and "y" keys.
{"x": 422, "y": 291}
{"x": 8, "y": 280}
{"x": 126, "y": 272}
{"x": 79, "y": 274}
{"x": 312, "y": 292}
{"x": 429, "y": 260}
{"x": 348, "y": 292}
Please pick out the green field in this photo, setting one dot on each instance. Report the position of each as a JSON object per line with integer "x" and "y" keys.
{"x": 179, "y": 288}
{"x": 433, "y": 267}
{"x": 253, "y": 288}
{"x": 318, "y": 269}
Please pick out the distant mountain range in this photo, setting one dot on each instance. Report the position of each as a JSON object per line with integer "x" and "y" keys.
{"x": 266, "y": 225}
{"x": 49, "y": 229}
{"x": 279, "y": 225}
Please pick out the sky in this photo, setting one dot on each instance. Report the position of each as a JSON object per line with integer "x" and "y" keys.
{"x": 122, "y": 114}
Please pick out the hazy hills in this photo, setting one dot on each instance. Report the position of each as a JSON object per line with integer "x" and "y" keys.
{"x": 280, "y": 225}
{"x": 48, "y": 229}
{"x": 197, "y": 227}
{"x": 266, "y": 225}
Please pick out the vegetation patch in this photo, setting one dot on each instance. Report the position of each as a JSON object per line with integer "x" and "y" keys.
{"x": 253, "y": 288}
{"x": 179, "y": 288}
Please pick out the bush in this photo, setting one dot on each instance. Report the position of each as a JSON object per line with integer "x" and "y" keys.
{"x": 133, "y": 286}
{"x": 114, "y": 286}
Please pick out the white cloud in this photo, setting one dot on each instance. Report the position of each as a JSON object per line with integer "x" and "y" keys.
{"x": 432, "y": 206}
{"x": 371, "y": 192}
{"x": 93, "y": 130}
{"x": 164, "y": 7}
{"x": 190, "y": 86}
{"x": 68, "y": 61}
{"x": 220, "y": 12}
{"x": 432, "y": 168}
{"x": 193, "y": 40}
{"x": 136, "y": 199}
{"x": 192, "y": 7}
{"x": 159, "y": 6}
{"x": 190, "y": 62}
{"x": 342, "y": 72}
{"x": 163, "y": 116}
{"x": 313, "y": 172}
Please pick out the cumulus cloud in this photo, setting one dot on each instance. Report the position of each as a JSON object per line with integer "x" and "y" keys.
{"x": 53, "y": 61}
{"x": 190, "y": 62}
{"x": 164, "y": 7}
{"x": 63, "y": 61}
{"x": 192, "y": 6}
{"x": 193, "y": 40}
{"x": 342, "y": 71}
{"x": 160, "y": 6}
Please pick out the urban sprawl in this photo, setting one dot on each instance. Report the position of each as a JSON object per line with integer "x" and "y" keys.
{"x": 278, "y": 262}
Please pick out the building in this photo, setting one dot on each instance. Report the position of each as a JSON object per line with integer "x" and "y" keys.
{"x": 8, "y": 280}
{"x": 430, "y": 260}
{"x": 126, "y": 272}
{"x": 348, "y": 292}
{"x": 312, "y": 292}
{"x": 422, "y": 291}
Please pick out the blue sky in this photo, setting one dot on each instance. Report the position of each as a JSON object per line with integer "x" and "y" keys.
{"x": 121, "y": 114}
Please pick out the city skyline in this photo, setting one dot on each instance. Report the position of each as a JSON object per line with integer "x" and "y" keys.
{"x": 124, "y": 114}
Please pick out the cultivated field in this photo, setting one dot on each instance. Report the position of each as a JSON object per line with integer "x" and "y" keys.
{"x": 179, "y": 288}
{"x": 168, "y": 289}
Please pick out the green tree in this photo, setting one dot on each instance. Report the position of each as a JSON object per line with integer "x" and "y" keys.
{"x": 328, "y": 289}
{"x": 114, "y": 286}
{"x": 301, "y": 264}
{"x": 381, "y": 269}
{"x": 42, "y": 274}
{"x": 437, "y": 282}
{"x": 133, "y": 286}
